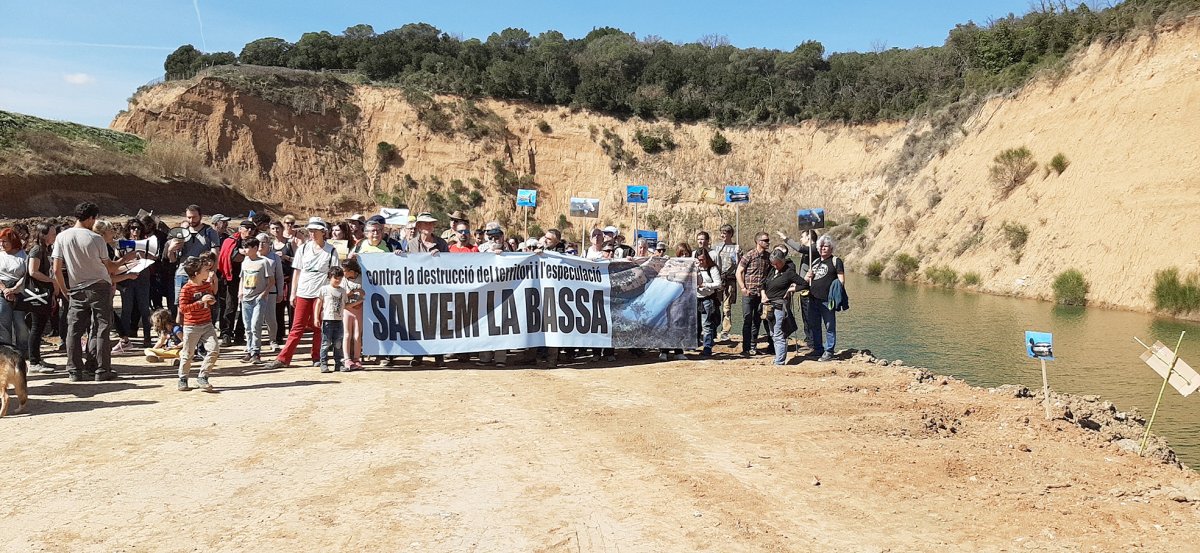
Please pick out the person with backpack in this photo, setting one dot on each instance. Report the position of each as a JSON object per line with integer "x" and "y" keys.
{"x": 827, "y": 278}
{"x": 192, "y": 240}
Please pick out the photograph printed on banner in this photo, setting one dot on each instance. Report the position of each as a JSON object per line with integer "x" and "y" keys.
{"x": 653, "y": 302}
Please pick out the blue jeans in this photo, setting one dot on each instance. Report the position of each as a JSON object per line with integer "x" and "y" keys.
{"x": 331, "y": 342}
{"x": 751, "y": 313}
{"x": 709, "y": 315}
{"x": 13, "y": 330}
{"x": 252, "y": 318}
{"x": 819, "y": 312}
{"x": 778, "y": 336}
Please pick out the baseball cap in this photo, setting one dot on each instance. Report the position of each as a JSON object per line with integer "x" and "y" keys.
{"x": 218, "y": 218}
{"x": 610, "y": 230}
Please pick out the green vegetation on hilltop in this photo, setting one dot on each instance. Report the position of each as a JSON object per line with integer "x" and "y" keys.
{"x": 15, "y": 129}
{"x": 613, "y": 71}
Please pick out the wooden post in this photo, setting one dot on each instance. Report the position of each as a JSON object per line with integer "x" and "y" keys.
{"x": 1045, "y": 389}
{"x": 1170, "y": 369}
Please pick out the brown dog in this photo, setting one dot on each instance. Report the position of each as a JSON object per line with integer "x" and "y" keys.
{"x": 12, "y": 371}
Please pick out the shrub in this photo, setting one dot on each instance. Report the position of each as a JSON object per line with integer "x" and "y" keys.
{"x": 906, "y": 226}
{"x": 386, "y": 153}
{"x": 654, "y": 141}
{"x": 967, "y": 243}
{"x": 875, "y": 268}
{"x": 971, "y": 278}
{"x": 563, "y": 222}
{"x": 1059, "y": 163}
{"x": 1173, "y": 295}
{"x": 543, "y": 126}
{"x": 906, "y": 264}
{"x": 1070, "y": 288}
{"x": 719, "y": 144}
{"x": 176, "y": 158}
{"x": 1011, "y": 167}
{"x": 1016, "y": 234}
{"x": 941, "y": 275}
{"x": 860, "y": 225}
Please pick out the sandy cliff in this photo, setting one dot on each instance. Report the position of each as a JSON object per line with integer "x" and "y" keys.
{"x": 1125, "y": 117}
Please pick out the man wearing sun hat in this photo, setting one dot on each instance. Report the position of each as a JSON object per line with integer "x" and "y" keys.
{"x": 357, "y": 224}
{"x": 426, "y": 241}
{"x": 310, "y": 271}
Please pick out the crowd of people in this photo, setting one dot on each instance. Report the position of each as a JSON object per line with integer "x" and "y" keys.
{"x": 188, "y": 291}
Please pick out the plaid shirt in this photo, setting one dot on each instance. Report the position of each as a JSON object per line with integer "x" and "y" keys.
{"x": 754, "y": 269}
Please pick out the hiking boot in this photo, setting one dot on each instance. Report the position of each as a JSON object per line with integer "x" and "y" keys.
{"x": 104, "y": 376}
{"x": 274, "y": 364}
{"x": 826, "y": 357}
{"x": 246, "y": 358}
{"x": 203, "y": 385}
{"x": 183, "y": 385}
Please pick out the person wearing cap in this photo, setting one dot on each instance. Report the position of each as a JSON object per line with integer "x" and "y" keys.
{"x": 262, "y": 222}
{"x": 221, "y": 224}
{"x": 310, "y": 272}
{"x": 494, "y": 239}
{"x": 458, "y": 217}
{"x": 660, "y": 249}
{"x": 426, "y": 241}
{"x": 196, "y": 238}
{"x": 358, "y": 225}
{"x": 464, "y": 243}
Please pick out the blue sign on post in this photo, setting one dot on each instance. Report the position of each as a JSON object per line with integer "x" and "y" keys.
{"x": 651, "y": 237}
{"x": 737, "y": 194}
{"x": 1039, "y": 345}
{"x": 637, "y": 194}
{"x": 526, "y": 198}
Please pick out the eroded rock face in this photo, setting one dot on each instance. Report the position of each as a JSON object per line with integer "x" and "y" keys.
{"x": 320, "y": 150}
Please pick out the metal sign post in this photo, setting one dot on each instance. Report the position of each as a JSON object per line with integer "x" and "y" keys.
{"x": 1045, "y": 390}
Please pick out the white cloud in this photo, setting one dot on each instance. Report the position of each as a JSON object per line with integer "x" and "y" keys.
{"x": 79, "y": 78}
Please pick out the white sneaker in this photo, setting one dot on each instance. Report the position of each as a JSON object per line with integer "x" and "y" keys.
{"x": 41, "y": 369}
{"x": 663, "y": 357}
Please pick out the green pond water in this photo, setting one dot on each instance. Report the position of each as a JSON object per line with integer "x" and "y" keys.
{"x": 979, "y": 338}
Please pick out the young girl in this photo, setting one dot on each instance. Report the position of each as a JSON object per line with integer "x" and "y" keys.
{"x": 352, "y": 314}
{"x": 170, "y": 337}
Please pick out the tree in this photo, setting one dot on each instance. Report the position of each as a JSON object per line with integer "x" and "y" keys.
{"x": 183, "y": 62}
{"x": 315, "y": 51}
{"x": 266, "y": 51}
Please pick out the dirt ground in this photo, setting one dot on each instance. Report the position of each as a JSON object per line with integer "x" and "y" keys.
{"x": 720, "y": 455}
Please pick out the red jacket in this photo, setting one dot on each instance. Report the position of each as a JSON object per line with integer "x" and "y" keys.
{"x": 195, "y": 312}
{"x": 225, "y": 259}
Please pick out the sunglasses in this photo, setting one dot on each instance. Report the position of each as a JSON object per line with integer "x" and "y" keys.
{"x": 464, "y": 231}
{"x": 289, "y": 223}
{"x": 767, "y": 240}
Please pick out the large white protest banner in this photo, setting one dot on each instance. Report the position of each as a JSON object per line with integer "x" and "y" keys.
{"x": 421, "y": 304}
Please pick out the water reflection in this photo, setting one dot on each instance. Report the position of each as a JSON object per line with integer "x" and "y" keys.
{"x": 980, "y": 338}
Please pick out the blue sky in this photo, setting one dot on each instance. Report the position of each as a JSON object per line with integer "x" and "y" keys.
{"x": 80, "y": 60}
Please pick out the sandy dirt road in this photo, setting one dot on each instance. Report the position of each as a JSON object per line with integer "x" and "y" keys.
{"x": 722, "y": 455}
